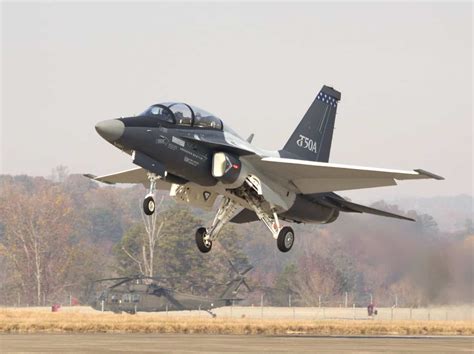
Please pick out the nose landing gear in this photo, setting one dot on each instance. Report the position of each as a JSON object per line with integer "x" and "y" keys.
{"x": 149, "y": 201}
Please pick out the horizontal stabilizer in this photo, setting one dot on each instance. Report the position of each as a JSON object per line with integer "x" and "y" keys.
{"x": 349, "y": 206}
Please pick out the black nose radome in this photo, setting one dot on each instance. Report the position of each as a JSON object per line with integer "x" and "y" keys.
{"x": 111, "y": 130}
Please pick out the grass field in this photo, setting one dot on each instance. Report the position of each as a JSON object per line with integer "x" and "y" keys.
{"x": 81, "y": 320}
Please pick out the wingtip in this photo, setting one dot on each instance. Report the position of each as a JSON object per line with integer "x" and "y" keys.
{"x": 429, "y": 174}
{"x": 89, "y": 175}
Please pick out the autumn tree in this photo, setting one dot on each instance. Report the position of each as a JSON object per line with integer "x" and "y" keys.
{"x": 57, "y": 235}
{"x": 176, "y": 255}
{"x": 36, "y": 238}
{"x": 284, "y": 285}
{"x": 138, "y": 247}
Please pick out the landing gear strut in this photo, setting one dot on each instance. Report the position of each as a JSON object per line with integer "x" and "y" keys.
{"x": 284, "y": 236}
{"x": 149, "y": 201}
{"x": 205, "y": 236}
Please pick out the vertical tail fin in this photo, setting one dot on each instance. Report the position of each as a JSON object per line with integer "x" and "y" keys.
{"x": 312, "y": 138}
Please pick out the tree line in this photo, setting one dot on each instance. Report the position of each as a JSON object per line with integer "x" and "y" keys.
{"x": 58, "y": 234}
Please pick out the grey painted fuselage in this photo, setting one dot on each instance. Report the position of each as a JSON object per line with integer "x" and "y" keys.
{"x": 185, "y": 153}
{"x": 197, "y": 158}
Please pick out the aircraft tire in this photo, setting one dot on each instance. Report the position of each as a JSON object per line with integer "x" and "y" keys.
{"x": 201, "y": 244}
{"x": 149, "y": 205}
{"x": 285, "y": 239}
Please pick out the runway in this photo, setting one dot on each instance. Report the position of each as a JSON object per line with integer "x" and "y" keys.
{"x": 192, "y": 343}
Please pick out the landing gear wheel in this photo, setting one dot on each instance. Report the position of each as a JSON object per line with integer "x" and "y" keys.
{"x": 203, "y": 245}
{"x": 285, "y": 239}
{"x": 149, "y": 205}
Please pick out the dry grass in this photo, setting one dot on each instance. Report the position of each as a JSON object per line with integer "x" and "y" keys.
{"x": 33, "y": 321}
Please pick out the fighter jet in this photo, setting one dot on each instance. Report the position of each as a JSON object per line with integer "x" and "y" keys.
{"x": 195, "y": 156}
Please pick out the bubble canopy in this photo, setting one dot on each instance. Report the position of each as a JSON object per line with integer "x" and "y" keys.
{"x": 184, "y": 115}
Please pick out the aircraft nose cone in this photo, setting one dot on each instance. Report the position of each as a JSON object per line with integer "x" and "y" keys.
{"x": 111, "y": 130}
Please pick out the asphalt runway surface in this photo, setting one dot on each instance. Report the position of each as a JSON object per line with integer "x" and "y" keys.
{"x": 194, "y": 343}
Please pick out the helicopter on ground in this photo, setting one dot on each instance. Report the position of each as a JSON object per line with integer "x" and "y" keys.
{"x": 139, "y": 293}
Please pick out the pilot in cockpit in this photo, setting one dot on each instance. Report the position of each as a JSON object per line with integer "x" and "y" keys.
{"x": 179, "y": 117}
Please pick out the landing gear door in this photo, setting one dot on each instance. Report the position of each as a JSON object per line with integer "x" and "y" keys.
{"x": 194, "y": 195}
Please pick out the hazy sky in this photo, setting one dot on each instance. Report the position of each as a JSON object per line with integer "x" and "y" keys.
{"x": 404, "y": 70}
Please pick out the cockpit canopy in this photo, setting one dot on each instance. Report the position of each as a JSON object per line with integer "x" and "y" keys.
{"x": 185, "y": 115}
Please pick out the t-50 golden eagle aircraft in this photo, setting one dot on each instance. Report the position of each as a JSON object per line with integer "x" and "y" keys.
{"x": 196, "y": 157}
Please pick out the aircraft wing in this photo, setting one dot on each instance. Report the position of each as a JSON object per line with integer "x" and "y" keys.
{"x": 308, "y": 177}
{"x": 135, "y": 175}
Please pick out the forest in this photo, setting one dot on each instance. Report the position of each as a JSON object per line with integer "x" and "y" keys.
{"x": 60, "y": 233}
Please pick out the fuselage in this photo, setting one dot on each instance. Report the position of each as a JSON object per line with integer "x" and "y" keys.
{"x": 193, "y": 155}
{"x": 185, "y": 150}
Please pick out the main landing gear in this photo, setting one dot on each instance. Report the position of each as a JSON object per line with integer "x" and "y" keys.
{"x": 149, "y": 201}
{"x": 284, "y": 236}
{"x": 205, "y": 236}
